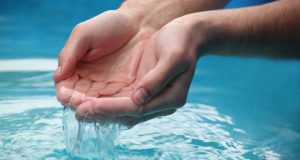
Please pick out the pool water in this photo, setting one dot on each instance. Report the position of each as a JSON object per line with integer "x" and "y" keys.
{"x": 247, "y": 109}
{"x": 237, "y": 108}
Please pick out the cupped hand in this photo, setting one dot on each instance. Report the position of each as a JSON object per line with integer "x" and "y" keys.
{"x": 100, "y": 61}
{"x": 93, "y": 39}
{"x": 160, "y": 86}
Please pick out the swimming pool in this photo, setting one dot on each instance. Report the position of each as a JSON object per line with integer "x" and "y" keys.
{"x": 237, "y": 108}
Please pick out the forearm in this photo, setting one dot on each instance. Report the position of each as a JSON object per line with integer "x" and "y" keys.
{"x": 271, "y": 30}
{"x": 156, "y": 13}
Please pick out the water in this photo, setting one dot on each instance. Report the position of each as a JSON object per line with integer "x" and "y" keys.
{"x": 89, "y": 140}
{"x": 228, "y": 116}
{"x": 237, "y": 108}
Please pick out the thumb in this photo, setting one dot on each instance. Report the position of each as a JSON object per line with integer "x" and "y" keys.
{"x": 76, "y": 46}
{"x": 156, "y": 80}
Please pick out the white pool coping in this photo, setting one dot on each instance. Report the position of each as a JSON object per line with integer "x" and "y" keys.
{"x": 27, "y": 65}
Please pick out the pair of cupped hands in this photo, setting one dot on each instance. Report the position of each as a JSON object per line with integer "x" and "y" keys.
{"x": 116, "y": 69}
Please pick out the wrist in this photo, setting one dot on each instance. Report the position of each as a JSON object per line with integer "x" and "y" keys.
{"x": 157, "y": 13}
{"x": 153, "y": 13}
{"x": 208, "y": 31}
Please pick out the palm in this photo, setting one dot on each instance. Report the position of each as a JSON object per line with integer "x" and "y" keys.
{"x": 104, "y": 83}
{"x": 111, "y": 75}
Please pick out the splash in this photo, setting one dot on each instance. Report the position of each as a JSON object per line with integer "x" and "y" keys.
{"x": 85, "y": 140}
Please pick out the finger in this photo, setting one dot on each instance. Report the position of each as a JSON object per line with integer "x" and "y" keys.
{"x": 124, "y": 106}
{"x": 113, "y": 106}
{"x": 65, "y": 89}
{"x": 116, "y": 30}
{"x": 125, "y": 92}
{"x": 111, "y": 89}
{"x": 173, "y": 96}
{"x": 128, "y": 121}
{"x": 76, "y": 46}
{"x": 80, "y": 89}
{"x": 157, "y": 79}
{"x": 132, "y": 121}
{"x": 99, "y": 117}
{"x": 95, "y": 88}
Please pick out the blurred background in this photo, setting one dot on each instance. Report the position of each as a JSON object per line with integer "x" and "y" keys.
{"x": 39, "y": 28}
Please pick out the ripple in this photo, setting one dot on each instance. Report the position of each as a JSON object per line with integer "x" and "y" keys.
{"x": 31, "y": 128}
{"x": 194, "y": 131}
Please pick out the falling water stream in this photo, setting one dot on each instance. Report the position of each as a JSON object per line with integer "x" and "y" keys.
{"x": 89, "y": 140}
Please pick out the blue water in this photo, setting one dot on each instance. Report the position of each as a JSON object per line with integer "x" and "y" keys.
{"x": 237, "y": 108}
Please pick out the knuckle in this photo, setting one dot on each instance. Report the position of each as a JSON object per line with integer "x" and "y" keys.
{"x": 176, "y": 55}
{"x": 180, "y": 56}
{"x": 176, "y": 51}
{"x": 79, "y": 28}
{"x": 153, "y": 87}
{"x": 62, "y": 51}
{"x": 109, "y": 12}
{"x": 82, "y": 32}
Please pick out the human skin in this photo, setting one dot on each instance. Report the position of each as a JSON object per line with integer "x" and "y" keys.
{"x": 271, "y": 30}
{"x": 104, "y": 59}
{"x": 169, "y": 58}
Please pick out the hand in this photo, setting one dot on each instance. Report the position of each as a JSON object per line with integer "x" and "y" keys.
{"x": 93, "y": 39}
{"x": 100, "y": 59}
{"x": 162, "y": 82}
{"x": 95, "y": 66}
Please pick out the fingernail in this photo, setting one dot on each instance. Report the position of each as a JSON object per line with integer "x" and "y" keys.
{"x": 141, "y": 96}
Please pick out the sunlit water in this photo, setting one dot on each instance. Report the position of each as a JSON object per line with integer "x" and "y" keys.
{"x": 237, "y": 108}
